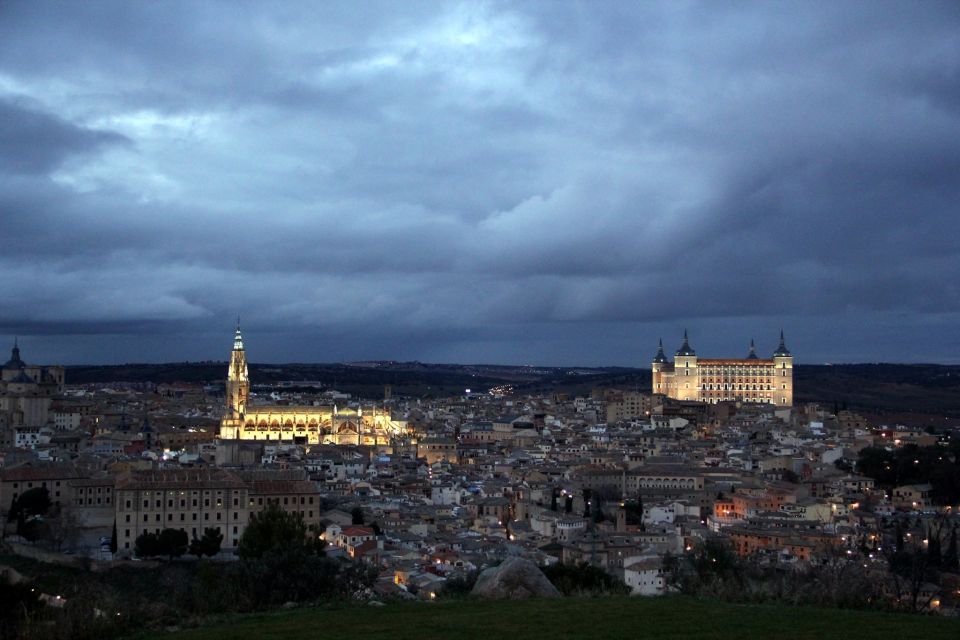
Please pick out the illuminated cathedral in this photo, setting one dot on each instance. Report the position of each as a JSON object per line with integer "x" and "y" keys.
{"x": 297, "y": 425}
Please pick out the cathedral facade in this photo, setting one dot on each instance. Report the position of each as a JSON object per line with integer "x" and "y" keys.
{"x": 751, "y": 379}
{"x": 298, "y": 425}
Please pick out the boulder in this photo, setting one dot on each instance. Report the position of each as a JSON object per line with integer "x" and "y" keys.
{"x": 514, "y": 578}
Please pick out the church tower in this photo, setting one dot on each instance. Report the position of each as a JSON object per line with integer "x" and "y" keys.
{"x": 238, "y": 379}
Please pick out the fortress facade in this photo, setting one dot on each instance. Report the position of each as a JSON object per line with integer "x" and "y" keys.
{"x": 750, "y": 379}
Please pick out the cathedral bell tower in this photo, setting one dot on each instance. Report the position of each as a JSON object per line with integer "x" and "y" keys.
{"x": 238, "y": 379}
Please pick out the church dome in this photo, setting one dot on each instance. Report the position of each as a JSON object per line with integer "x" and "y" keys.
{"x": 22, "y": 378}
{"x": 14, "y": 362}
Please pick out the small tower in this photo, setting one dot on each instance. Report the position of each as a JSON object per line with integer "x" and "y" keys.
{"x": 659, "y": 367}
{"x": 753, "y": 351}
{"x": 783, "y": 375}
{"x": 686, "y": 375}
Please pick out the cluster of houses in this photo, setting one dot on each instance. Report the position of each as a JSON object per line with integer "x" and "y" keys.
{"x": 617, "y": 479}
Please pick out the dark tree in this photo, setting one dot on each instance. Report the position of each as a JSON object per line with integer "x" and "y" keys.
{"x": 173, "y": 542}
{"x": 583, "y": 578}
{"x": 21, "y": 604}
{"x": 950, "y": 555}
{"x": 207, "y": 545}
{"x": 934, "y": 557}
{"x": 147, "y": 545}
{"x": 356, "y": 515}
{"x": 553, "y": 498}
{"x": 31, "y": 503}
{"x": 279, "y": 531}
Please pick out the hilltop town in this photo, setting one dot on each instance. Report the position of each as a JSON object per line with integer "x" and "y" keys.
{"x": 427, "y": 491}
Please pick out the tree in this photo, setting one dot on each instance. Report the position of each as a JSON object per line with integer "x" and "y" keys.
{"x": 208, "y": 544}
{"x": 583, "y": 578}
{"x": 31, "y": 503}
{"x": 173, "y": 542}
{"x": 21, "y": 604}
{"x": 62, "y": 528}
{"x": 277, "y": 530}
{"x": 113, "y": 538}
{"x": 356, "y": 515}
{"x": 950, "y": 555}
{"x": 147, "y": 545}
{"x": 934, "y": 557}
{"x": 32, "y": 530}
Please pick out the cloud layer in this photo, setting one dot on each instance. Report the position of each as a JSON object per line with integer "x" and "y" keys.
{"x": 548, "y": 183}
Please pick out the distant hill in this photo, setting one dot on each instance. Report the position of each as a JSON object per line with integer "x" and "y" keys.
{"x": 873, "y": 388}
{"x": 610, "y": 618}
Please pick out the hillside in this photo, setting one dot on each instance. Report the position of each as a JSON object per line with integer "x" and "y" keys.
{"x": 878, "y": 389}
{"x": 608, "y": 618}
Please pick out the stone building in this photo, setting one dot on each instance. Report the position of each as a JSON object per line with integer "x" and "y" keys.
{"x": 27, "y": 393}
{"x": 751, "y": 379}
{"x": 300, "y": 425}
{"x": 187, "y": 499}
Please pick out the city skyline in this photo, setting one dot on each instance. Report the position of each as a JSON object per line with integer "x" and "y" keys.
{"x": 558, "y": 184}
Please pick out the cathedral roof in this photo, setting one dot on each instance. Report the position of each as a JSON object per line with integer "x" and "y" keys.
{"x": 22, "y": 378}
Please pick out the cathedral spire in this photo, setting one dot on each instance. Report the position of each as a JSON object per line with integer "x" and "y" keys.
{"x": 753, "y": 351}
{"x": 237, "y": 338}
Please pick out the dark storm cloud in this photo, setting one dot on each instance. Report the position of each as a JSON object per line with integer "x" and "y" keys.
{"x": 499, "y": 182}
{"x": 35, "y": 142}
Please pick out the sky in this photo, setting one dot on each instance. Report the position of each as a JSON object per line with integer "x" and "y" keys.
{"x": 550, "y": 183}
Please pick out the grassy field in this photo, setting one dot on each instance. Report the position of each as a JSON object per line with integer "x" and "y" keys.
{"x": 608, "y": 618}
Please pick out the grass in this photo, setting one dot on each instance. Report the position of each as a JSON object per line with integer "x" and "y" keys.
{"x": 607, "y": 618}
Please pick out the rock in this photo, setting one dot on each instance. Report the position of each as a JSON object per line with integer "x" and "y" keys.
{"x": 514, "y": 578}
{"x": 375, "y": 603}
{"x": 289, "y": 605}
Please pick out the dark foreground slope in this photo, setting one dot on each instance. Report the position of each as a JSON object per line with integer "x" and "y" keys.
{"x": 608, "y": 618}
